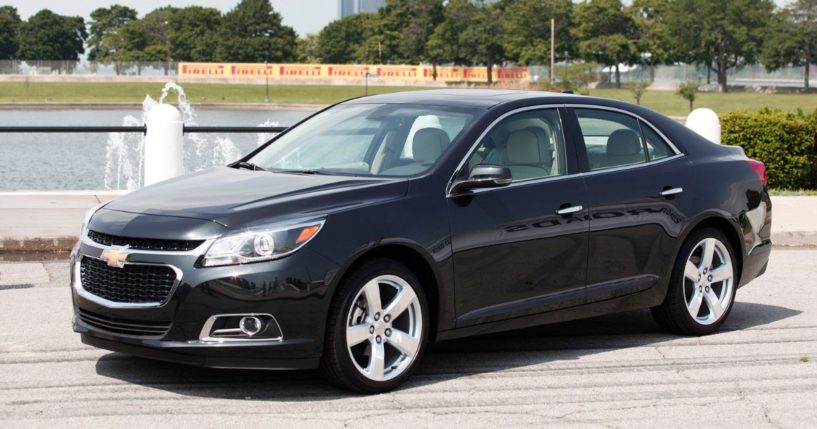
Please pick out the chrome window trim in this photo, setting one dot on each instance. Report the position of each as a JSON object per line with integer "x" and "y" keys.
{"x": 194, "y": 252}
{"x": 678, "y": 153}
{"x": 631, "y": 166}
{"x": 631, "y": 114}
{"x": 111, "y": 304}
{"x": 205, "y": 338}
{"x": 491, "y": 127}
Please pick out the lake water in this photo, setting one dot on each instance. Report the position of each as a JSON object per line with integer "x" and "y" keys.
{"x": 73, "y": 161}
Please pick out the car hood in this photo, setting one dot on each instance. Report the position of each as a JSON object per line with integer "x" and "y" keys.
{"x": 241, "y": 198}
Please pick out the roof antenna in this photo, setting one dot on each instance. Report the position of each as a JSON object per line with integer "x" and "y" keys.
{"x": 567, "y": 91}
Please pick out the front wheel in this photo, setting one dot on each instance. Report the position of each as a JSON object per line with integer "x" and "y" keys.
{"x": 377, "y": 328}
{"x": 703, "y": 285}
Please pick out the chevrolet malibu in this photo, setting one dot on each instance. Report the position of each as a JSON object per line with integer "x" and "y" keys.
{"x": 379, "y": 225}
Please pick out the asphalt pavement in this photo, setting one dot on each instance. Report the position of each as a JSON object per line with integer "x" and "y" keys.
{"x": 611, "y": 371}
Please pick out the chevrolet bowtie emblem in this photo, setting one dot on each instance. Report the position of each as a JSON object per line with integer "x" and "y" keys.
{"x": 115, "y": 256}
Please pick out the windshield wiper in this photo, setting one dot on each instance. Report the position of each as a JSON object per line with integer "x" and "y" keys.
{"x": 247, "y": 165}
{"x": 294, "y": 171}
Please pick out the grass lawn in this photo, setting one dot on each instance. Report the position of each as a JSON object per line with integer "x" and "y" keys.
{"x": 663, "y": 101}
{"x": 196, "y": 92}
{"x": 669, "y": 103}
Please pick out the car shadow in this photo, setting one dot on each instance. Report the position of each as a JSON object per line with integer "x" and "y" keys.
{"x": 443, "y": 361}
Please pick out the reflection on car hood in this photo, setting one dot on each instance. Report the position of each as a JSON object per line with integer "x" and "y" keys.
{"x": 243, "y": 197}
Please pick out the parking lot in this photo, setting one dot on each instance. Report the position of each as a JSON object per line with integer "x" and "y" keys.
{"x": 611, "y": 371}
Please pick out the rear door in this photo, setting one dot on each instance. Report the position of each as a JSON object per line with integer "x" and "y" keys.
{"x": 638, "y": 194}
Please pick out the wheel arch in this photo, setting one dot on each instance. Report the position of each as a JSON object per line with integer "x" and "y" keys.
{"x": 417, "y": 260}
{"x": 722, "y": 224}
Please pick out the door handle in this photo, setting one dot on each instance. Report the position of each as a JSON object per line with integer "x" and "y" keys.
{"x": 569, "y": 210}
{"x": 671, "y": 192}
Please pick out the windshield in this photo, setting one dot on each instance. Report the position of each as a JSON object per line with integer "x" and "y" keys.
{"x": 367, "y": 140}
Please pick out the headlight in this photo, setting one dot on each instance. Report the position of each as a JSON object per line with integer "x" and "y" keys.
{"x": 262, "y": 244}
{"x": 88, "y": 215}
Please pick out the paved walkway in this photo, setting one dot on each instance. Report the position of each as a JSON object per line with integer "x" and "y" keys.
{"x": 50, "y": 221}
{"x": 617, "y": 371}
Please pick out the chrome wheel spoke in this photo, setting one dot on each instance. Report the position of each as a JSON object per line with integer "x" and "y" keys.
{"x": 370, "y": 326}
{"x": 708, "y": 253}
{"x": 357, "y": 334}
{"x": 723, "y": 272}
{"x": 714, "y": 304}
{"x": 371, "y": 291}
{"x": 377, "y": 362}
{"x": 404, "y": 343}
{"x": 400, "y": 303}
{"x": 694, "y": 305}
{"x": 710, "y": 275}
{"x": 691, "y": 272}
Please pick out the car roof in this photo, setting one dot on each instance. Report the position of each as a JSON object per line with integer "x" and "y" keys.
{"x": 480, "y": 98}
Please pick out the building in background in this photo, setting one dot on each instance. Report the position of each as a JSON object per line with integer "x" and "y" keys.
{"x": 351, "y": 7}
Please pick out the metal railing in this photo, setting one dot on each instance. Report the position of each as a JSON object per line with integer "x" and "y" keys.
{"x": 187, "y": 129}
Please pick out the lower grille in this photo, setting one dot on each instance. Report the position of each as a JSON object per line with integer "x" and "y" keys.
{"x": 139, "y": 328}
{"x": 131, "y": 284}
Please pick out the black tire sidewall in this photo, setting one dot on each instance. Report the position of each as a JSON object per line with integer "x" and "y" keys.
{"x": 346, "y": 373}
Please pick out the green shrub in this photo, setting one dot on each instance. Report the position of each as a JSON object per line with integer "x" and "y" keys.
{"x": 784, "y": 141}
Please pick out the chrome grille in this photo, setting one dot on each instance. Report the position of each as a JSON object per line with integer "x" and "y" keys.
{"x": 131, "y": 284}
{"x": 144, "y": 243}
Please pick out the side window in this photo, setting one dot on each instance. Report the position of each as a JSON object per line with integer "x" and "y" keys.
{"x": 529, "y": 143}
{"x": 656, "y": 146}
{"x": 611, "y": 139}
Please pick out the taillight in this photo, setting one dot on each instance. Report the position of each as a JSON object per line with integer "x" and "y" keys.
{"x": 760, "y": 169}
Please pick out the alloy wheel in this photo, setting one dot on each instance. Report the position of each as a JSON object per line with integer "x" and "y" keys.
{"x": 708, "y": 281}
{"x": 384, "y": 328}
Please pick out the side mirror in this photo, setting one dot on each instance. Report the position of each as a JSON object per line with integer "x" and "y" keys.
{"x": 483, "y": 176}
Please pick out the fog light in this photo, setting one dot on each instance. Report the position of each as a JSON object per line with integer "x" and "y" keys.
{"x": 250, "y": 325}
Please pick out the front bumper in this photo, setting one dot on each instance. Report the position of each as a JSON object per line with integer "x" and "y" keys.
{"x": 293, "y": 289}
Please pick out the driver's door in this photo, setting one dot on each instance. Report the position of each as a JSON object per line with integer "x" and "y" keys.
{"x": 520, "y": 249}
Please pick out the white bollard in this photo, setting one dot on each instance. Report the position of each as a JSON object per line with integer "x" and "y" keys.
{"x": 163, "y": 144}
{"x": 706, "y": 123}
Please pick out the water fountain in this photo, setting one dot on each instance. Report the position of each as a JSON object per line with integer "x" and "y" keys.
{"x": 124, "y": 167}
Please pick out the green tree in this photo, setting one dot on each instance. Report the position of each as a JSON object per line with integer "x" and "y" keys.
{"x": 444, "y": 43}
{"x": 104, "y": 38}
{"x": 605, "y": 32}
{"x": 792, "y": 38}
{"x": 720, "y": 35}
{"x": 192, "y": 33}
{"x": 9, "y": 28}
{"x": 253, "y": 32}
{"x": 147, "y": 39}
{"x": 652, "y": 36}
{"x": 689, "y": 92}
{"x": 308, "y": 49}
{"x": 480, "y": 42}
{"x": 48, "y": 36}
{"x": 406, "y": 26}
{"x": 347, "y": 40}
{"x": 526, "y": 29}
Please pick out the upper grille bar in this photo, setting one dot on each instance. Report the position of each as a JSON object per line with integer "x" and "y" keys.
{"x": 144, "y": 243}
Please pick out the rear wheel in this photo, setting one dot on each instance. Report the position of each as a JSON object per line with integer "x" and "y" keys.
{"x": 377, "y": 329}
{"x": 703, "y": 285}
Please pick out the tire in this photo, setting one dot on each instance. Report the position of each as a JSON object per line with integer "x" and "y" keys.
{"x": 398, "y": 336}
{"x": 709, "y": 288}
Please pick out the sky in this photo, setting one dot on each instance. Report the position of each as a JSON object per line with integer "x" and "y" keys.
{"x": 306, "y": 16}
